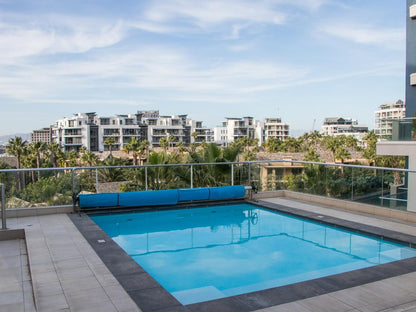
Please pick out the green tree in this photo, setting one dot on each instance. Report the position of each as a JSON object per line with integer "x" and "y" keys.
{"x": 54, "y": 153}
{"x": 370, "y": 150}
{"x": 331, "y": 143}
{"x": 312, "y": 155}
{"x": 342, "y": 154}
{"x": 272, "y": 145}
{"x": 17, "y": 147}
{"x": 163, "y": 142}
{"x": 195, "y": 136}
{"x": 110, "y": 142}
{"x": 132, "y": 146}
{"x": 172, "y": 139}
{"x": 89, "y": 158}
{"x": 36, "y": 149}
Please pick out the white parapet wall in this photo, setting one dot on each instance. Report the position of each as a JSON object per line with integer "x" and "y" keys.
{"x": 413, "y": 79}
{"x": 412, "y": 11}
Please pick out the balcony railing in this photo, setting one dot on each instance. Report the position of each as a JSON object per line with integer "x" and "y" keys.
{"x": 403, "y": 129}
{"x": 386, "y": 187}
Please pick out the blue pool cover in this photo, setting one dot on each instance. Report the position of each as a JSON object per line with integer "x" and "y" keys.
{"x": 161, "y": 197}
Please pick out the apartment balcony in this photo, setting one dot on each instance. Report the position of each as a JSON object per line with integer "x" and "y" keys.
{"x": 412, "y": 11}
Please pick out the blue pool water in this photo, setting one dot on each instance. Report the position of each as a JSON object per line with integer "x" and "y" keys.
{"x": 207, "y": 253}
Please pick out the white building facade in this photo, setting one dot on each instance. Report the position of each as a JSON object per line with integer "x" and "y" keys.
{"x": 91, "y": 131}
{"x": 337, "y": 126}
{"x": 384, "y": 115}
{"x": 235, "y": 128}
{"x": 275, "y": 128}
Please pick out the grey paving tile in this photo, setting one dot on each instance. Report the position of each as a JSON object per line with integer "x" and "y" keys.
{"x": 12, "y": 307}
{"x": 288, "y": 307}
{"x": 72, "y": 263}
{"x": 363, "y": 299}
{"x": 81, "y": 283}
{"x": 103, "y": 306}
{"x": 125, "y": 305}
{"x": 79, "y": 299}
{"x": 325, "y": 303}
{"x": 10, "y": 284}
{"x": 52, "y": 303}
{"x": 47, "y": 289}
{"x": 11, "y": 297}
{"x": 406, "y": 307}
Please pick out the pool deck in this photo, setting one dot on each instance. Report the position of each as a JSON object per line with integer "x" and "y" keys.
{"x": 66, "y": 274}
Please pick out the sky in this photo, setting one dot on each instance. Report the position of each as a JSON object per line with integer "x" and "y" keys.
{"x": 300, "y": 60}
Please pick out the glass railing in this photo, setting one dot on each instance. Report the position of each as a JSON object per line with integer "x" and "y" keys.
{"x": 403, "y": 129}
{"x": 385, "y": 187}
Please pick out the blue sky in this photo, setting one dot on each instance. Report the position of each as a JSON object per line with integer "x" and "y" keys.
{"x": 296, "y": 59}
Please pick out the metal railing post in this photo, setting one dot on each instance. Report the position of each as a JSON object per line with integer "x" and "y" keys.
{"x": 249, "y": 175}
{"x": 145, "y": 177}
{"x": 3, "y": 207}
{"x": 73, "y": 190}
{"x": 96, "y": 180}
{"x": 352, "y": 183}
{"x": 192, "y": 176}
{"x": 382, "y": 188}
{"x": 232, "y": 174}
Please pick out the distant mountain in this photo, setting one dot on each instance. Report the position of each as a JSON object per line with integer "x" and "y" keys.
{"x": 4, "y": 139}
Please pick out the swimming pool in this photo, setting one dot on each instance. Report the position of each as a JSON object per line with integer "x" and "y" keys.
{"x": 213, "y": 252}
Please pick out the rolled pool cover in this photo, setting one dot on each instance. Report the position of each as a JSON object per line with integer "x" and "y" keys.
{"x": 227, "y": 192}
{"x": 193, "y": 194}
{"x": 148, "y": 198}
{"x": 98, "y": 200}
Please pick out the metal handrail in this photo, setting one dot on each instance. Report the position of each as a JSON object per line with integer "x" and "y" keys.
{"x": 3, "y": 207}
{"x": 206, "y": 164}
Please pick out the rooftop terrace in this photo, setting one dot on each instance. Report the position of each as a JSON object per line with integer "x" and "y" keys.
{"x": 48, "y": 264}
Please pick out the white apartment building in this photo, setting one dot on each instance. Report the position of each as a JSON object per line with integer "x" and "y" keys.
{"x": 121, "y": 128}
{"x": 337, "y": 126}
{"x": 90, "y": 130}
{"x": 236, "y": 128}
{"x": 275, "y": 128}
{"x": 383, "y": 116}
{"x": 77, "y": 131}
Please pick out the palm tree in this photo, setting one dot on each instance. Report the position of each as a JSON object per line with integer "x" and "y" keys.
{"x": 163, "y": 142}
{"x": 331, "y": 143}
{"x": 54, "y": 151}
{"x": 194, "y": 135}
{"x": 110, "y": 141}
{"x": 17, "y": 147}
{"x": 36, "y": 148}
{"x": 137, "y": 148}
{"x": 89, "y": 158}
{"x": 370, "y": 150}
{"x": 71, "y": 158}
{"x": 341, "y": 153}
{"x": 171, "y": 140}
{"x": 272, "y": 145}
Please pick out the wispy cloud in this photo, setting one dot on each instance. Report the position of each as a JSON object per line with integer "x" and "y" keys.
{"x": 365, "y": 33}
{"x": 204, "y": 13}
{"x": 22, "y": 36}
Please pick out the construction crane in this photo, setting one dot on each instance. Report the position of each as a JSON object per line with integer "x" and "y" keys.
{"x": 313, "y": 126}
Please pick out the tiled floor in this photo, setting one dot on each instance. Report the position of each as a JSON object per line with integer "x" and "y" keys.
{"x": 69, "y": 276}
{"x": 15, "y": 284}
